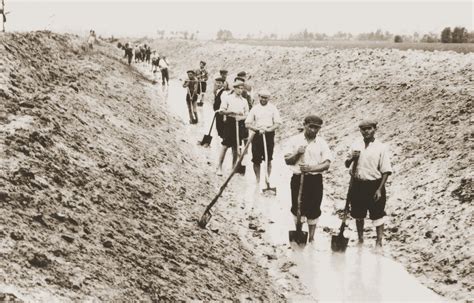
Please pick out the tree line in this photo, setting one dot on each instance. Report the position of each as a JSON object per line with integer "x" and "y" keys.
{"x": 457, "y": 35}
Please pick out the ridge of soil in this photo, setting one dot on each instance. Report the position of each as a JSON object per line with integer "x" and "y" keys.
{"x": 99, "y": 190}
{"x": 423, "y": 102}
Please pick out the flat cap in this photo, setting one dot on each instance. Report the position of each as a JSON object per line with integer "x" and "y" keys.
{"x": 223, "y": 71}
{"x": 264, "y": 93}
{"x": 241, "y": 74}
{"x": 219, "y": 79}
{"x": 368, "y": 123}
{"x": 202, "y": 62}
{"x": 313, "y": 120}
{"x": 190, "y": 72}
{"x": 238, "y": 83}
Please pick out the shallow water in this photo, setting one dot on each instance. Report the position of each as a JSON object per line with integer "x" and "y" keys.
{"x": 359, "y": 274}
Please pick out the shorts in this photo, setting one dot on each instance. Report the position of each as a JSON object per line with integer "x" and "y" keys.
{"x": 202, "y": 87}
{"x": 311, "y": 197}
{"x": 220, "y": 125}
{"x": 258, "y": 153}
{"x": 361, "y": 199}
{"x": 230, "y": 134}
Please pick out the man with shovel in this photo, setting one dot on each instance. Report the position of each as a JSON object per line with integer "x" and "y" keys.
{"x": 307, "y": 155}
{"x": 236, "y": 109}
{"x": 371, "y": 174}
{"x": 263, "y": 119}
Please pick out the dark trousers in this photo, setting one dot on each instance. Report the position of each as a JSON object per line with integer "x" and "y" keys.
{"x": 164, "y": 75}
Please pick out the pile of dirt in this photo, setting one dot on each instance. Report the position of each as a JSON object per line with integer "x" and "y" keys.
{"x": 98, "y": 191}
{"x": 423, "y": 102}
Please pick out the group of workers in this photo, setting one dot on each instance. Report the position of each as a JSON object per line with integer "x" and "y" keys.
{"x": 305, "y": 153}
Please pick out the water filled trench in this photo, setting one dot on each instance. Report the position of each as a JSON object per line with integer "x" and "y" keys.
{"x": 359, "y": 274}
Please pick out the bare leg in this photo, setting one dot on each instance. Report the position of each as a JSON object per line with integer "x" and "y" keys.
{"x": 234, "y": 156}
{"x": 269, "y": 169}
{"x": 379, "y": 230}
{"x": 256, "y": 169}
{"x": 221, "y": 159}
{"x": 311, "y": 230}
{"x": 360, "y": 230}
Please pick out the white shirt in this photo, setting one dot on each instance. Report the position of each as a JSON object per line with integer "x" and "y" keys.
{"x": 317, "y": 151}
{"x": 263, "y": 116}
{"x": 234, "y": 103}
{"x": 373, "y": 160}
{"x": 163, "y": 63}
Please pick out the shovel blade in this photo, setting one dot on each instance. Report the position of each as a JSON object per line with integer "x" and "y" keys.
{"x": 339, "y": 243}
{"x": 269, "y": 190}
{"x": 298, "y": 237}
{"x": 206, "y": 140}
{"x": 206, "y": 217}
{"x": 241, "y": 169}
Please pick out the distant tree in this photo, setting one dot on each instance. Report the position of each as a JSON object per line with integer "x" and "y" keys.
{"x": 398, "y": 39}
{"x": 446, "y": 35}
{"x": 224, "y": 34}
{"x": 430, "y": 38}
{"x": 459, "y": 35}
{"x": 470, "y": 37}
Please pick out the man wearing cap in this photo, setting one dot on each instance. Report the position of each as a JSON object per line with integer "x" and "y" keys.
{"x": 219, "y": 89}
{"x": 223, "y": 74}
{"x": 191, "y": 96}
{"x": 163, "y": 65}
{"x": 263, "y": 119}
{"x": 235, "y": 108}
{"x": 202, "y": 76}
{"x": 368, "y": 187}
{"x": 308, "y": 154}
{"x": 247, "y": 88}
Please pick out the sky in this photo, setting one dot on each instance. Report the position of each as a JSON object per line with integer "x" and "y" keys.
{"x": 140, "y": 18}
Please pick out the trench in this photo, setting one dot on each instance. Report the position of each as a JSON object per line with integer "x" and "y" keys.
{"x": 359, "y": 274}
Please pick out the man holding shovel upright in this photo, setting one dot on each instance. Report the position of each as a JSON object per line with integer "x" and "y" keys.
{"x": 236, "y": 109}
{"x": 263, "y": 119}
{"x": 371, "y": 174}
{"x": 191, "y": 96}
{"x": 308, "y": 155}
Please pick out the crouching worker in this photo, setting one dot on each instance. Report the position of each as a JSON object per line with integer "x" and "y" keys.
{"x": 308, "y": 154}
{"x": 263, "y": 119}
{"x": 191, "y": 96}
{"x": 368, "y": 188}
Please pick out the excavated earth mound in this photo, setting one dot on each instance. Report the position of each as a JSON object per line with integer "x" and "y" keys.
{"x": 423, "y": 102}
{"x": 98, "y": 190}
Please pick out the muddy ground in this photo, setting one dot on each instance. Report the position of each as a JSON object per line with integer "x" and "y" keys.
{"x": 423, "y": 102}
{"x": 100, "y": 190}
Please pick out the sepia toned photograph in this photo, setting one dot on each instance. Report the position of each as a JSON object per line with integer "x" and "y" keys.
{"x": 236, "y": 151}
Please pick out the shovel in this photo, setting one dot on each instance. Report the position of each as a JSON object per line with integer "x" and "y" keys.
{"x": 240, "y": 167}
{"x": 299, "y": 236}
{"x": 267, "y": 181}
{"x": 339, "y": 242}
{"x": 206, "y": 140}
{"x": 206, "y": 216}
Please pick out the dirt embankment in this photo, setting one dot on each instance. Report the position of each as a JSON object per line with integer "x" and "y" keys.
{"x": 423, "y": 102}
{"x": 99, "y": 196}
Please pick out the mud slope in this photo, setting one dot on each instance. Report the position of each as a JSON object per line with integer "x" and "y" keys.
{"x": 97, "y": 190}
{"x": 423, "y": 101}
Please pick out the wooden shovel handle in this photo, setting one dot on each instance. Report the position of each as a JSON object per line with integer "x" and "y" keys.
{"x": 300, "y": 195}
{"x": 234, "y": 170}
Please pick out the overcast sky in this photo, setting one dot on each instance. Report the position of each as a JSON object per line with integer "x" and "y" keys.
{"x": 127, "y": 18}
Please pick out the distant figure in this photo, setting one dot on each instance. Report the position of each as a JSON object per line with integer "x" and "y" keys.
{"x": 91, "y": 40}
{"x": 163, "y": 65}
{"x": 191, "y": 96}
{"x": 147, "y": 54}
{"x": 202, "y": 76}
{"x": 128, "y": 52}
{"x": 368, "y": 188}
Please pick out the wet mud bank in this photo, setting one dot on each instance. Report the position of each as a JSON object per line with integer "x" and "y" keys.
{"x": 100, "y": 189}
{"x": 423, "y": 102}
